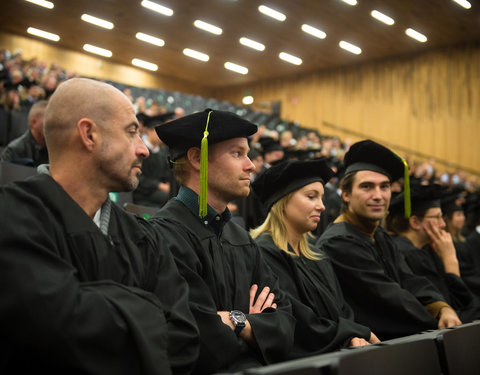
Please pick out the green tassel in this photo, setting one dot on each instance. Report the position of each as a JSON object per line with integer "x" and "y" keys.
{"x": 406, "y": 190}
{"x": 202, "y": 197}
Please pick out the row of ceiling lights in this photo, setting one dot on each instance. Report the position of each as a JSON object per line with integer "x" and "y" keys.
{"x": 218, "y": 31}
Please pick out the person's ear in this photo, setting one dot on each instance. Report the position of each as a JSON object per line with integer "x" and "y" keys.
{"x": 345, "y": 196}
{"x": 88, "y": 132}
{"x": 193, "y": 156}
{"x": 415, "y": 223}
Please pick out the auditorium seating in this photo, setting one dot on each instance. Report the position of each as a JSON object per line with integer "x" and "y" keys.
{"x": 121, "y": 198}
{"x": 14, "y": 172}
{"x": 3, "y": 127}
{"x": 460, "y": 349}
{"x": 18, "y": 124}
{"x": 143, "y": 211}
{"x": 414, "y": 358}
{"x": 451, "y": 351}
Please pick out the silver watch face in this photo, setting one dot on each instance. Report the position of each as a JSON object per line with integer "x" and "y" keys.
{"x": 238, "y": 316}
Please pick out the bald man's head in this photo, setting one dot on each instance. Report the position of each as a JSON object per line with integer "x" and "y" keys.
{"x": 74, "y": 100}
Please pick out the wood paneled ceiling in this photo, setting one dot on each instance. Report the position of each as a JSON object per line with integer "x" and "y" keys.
{"x": 443, "y": 22}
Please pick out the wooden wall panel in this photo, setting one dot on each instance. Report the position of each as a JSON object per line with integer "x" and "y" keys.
{"x": 428, "y": 102}
{"x": 96, "y": 67}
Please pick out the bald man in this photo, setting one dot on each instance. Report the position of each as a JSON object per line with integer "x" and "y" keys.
{"x": 86, "y": 287}
{"x": 29, "y": 148}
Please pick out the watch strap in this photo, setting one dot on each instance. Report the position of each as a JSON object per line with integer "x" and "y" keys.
{"x": 238, "y": 328}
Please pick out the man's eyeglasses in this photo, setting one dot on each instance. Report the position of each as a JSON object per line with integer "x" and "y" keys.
{"x": 438, "y": 217}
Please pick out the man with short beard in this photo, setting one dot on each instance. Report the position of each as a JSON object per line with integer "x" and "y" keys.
{"x": 377, "y": 283}
{"x": 87, "y": 287}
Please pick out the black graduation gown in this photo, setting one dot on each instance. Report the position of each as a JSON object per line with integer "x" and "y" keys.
{"x": 324, "y": 320}
{"x": 473, "y": 240}
{"x": 425, "y": 262}
{"x": 77, "y": 301}
{"x": 220, "y": 271}
{"x": 251, "y": 210}
{"x": 377, "y": 283}
{"x": 469, "y": 269}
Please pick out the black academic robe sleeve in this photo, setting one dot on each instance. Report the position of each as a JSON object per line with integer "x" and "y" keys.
{"x": 324, "y": 321}
{"x": 220, "y": 348}
{"x": 469, "y": 270}
{"x": 172, "y": 290}
{"x": 54, "y": 320}
{"x": 425, "y": 262}
{"x": 381, "y": 289}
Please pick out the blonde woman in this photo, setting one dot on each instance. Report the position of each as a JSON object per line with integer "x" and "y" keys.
{"x": 292, "y": 193}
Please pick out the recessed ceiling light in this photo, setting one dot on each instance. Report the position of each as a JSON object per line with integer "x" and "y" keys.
{"x": 350, "y": 47}
{"x": 43, "y": 34}
{"x": 145, "y": 64}
{"x": 247, "y": 100}
{"x": 97, "y": 21}
{"x": 236, "y": 68}
{"x": 464, "y": 3}
{"x": 350, "y": 2}
{"x": 252, "y": 44}
{"x": 416, "y": 35}
{"x": 150, "y": 39}
{"x": 195, "y": 54}
{"x": 42, "y": 3}
{"x": 382, "y": 17}
{"x": 290, "y": 58}
{"x": 208, "y": 27}
{"x": 157, "y": 8}
{"x": 313, "y": 31}
{"x": 272, "y": 13}
{"x": 97, "y": 50}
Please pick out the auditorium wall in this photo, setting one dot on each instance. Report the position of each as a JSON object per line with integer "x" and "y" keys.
{"x": 96, "y": 67}
{"x": 429, "y": 102}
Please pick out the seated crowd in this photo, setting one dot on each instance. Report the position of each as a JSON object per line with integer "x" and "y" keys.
{"x": 342, "y": 251}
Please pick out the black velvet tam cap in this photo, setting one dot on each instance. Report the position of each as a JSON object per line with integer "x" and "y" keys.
{"x": 372, "y": 156}
{"x": 186, "y": 132}
{"x": 423, "y": 197}
{"x": 287, "y": 177}
{"x": 270, "y": 145}
{"x": 153, "y": 121}
{"x": 449, "y": 201}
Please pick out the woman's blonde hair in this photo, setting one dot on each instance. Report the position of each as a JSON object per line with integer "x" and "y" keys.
{"x": 274, "y": 225}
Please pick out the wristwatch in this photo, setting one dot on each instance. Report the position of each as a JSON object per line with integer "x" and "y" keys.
{"x": 238, "y": 318}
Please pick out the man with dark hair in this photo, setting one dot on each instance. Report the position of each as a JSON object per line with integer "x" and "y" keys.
{"x": 429, "y": 249}
{"x": 239, "y": 328}
{"x": 377, "y": 283}
{"x": 87, "y": 287}
{"x": 30, "y": 148}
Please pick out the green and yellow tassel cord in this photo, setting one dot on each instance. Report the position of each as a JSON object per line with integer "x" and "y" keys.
{"x": 406, "y": 190}
{"x": 202, "y": 197}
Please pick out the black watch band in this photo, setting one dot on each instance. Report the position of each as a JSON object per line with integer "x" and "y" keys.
{"x": 238, "y": 328}
{"x": 239, "y": 320}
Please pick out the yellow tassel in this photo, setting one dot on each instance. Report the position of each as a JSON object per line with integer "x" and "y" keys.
{"x": 406, "y": 190}
{"x": 202, "y": 197}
